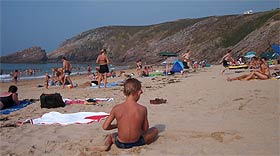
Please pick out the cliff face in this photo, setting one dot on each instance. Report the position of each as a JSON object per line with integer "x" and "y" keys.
{"x": 208, "y": 38}
{"x": 30, "y": 55}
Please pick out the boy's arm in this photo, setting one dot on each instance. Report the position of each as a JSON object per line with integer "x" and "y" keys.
{"x": 107, "y": 60}
{"x": 97, "y": 60}
{"x": 107, "y": 124}
{"x": 64, "y": 65}
{"x": 145, "y": 125}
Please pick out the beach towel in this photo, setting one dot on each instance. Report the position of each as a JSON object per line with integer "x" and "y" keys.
{"x": 76, "y": 101}
{"x": 103, "y": 99}
{"x": 15, "y": 107}
{"x": 66, "y": 119}
{"x": 109, "y": 85}
{"x": 88, "y": 100}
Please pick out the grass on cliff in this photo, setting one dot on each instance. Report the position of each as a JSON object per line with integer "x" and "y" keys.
{"x": 232, "y": 38}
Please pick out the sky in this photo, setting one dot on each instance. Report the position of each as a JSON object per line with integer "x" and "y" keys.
{"x": 47, "y": 23}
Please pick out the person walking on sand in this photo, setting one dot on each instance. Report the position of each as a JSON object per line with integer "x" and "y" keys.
{"x": 132, "y": 121}
{"x": 67, "y": 67}
{"x": 103, "y": 62}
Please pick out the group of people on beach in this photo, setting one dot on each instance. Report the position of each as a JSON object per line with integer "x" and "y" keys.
{"x": 143, "y": 72}
{"x": 60, "y": 76}
{"x": 259, "y": 67}
{"x": 259, "y": 70}
{"x": 132, "y": 117}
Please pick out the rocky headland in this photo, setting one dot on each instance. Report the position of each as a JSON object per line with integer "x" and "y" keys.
{"x": 209, "y": 38}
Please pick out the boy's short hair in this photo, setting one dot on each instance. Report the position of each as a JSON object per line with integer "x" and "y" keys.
{"x": 13, "y": 89}
{"x": 131, "y": 86}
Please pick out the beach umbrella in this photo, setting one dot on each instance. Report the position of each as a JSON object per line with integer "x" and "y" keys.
{"x": 170, "y": 60}
{"x": 168, "y": 54}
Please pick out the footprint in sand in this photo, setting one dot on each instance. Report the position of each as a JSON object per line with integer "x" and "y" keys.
{"x": 223, "y": 137}
{"x": 238, "y": 99}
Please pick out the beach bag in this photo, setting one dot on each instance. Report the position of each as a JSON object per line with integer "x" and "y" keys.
{"x": 51, "y": 100}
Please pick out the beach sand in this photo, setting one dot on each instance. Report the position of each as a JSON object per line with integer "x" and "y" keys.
{"x": 204, "y": 115}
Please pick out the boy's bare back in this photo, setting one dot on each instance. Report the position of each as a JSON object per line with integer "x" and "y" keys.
{"x": 132, "y": 121}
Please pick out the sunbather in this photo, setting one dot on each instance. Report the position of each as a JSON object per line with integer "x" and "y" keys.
{"x": 8, "y": 99}
{"x": 263, "y": 73}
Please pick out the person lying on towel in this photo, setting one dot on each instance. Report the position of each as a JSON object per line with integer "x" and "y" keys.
{"x": 132, "y": 123}
{"x": 8, "y": 99}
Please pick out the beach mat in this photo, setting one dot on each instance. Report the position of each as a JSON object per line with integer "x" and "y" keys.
{"x": 244, "y": 66}
{"x": 87, "y": 101}
{"x": 15, "y": 107}
{"x": 66, "y": 119}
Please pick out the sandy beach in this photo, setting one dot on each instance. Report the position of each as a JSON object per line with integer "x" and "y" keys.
{"x": 204, "y": 115}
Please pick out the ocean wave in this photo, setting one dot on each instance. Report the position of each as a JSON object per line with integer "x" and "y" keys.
{"x": 5, "y": 76}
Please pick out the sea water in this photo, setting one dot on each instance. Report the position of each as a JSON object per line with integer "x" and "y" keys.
{"x": 40, "y": 70}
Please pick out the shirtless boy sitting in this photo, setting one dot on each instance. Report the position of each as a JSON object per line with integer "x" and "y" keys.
{"x": 132, "y": 122}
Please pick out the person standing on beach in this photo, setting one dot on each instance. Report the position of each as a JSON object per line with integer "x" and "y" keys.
{"x": 103, "y": 62}
{"x": 226, "y": 60}
{"x": 187, "y": 59}
{"x": 132, "y": 121}
{"x": 15, "y": 76}
{"x": 67, "y": 67}
{"x": 187, "y": 55}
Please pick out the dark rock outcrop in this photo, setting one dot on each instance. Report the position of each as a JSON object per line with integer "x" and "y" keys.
{"x": 29, "y": 55}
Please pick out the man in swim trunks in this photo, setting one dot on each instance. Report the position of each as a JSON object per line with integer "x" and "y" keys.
{"x": 103, "y": 61}
{"x": 67, "y": 67}
{"x": 8, "y": 99}
{"x": 132, "y": 122}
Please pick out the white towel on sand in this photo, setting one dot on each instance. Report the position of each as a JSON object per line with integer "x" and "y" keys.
{"x": 72, "y": 118}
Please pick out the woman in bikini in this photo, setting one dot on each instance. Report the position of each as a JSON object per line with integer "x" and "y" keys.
{"x": 263, "y": 73}
{"x": 8, "y": 99}
{"x": 103, "y": 61}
